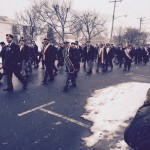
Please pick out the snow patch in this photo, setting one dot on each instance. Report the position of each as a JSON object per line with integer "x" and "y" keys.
{"x": 111, "y": 109}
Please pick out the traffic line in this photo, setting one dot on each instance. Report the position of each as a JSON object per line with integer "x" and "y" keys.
{"x": 36, "y": 108}
{"x": 137, "y": 75}
{"x": 129, "y": 73}
{"x": 64, "y": 117}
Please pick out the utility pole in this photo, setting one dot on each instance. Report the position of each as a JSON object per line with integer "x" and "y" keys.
{"x": 141, "y": 20}
{"x": 113, "y": 17}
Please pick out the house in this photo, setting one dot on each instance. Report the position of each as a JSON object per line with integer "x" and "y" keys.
{"x": 6, "y": 25}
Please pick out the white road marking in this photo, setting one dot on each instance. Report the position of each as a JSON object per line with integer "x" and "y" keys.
{"x": 34, "y": 109}
{"x": 129, "y": 73}
{"x": 64, "y": 117}
{"x": 138, "y": 75}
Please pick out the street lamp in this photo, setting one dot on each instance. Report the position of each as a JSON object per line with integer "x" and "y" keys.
{"x": 112, "y": 28}
{"x": 120, "y": 16}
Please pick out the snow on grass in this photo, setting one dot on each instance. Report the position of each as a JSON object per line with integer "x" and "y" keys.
{"x": 110, "y": 110}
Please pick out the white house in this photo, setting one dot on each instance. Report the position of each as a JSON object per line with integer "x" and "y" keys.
{"x": 5, "y": 27}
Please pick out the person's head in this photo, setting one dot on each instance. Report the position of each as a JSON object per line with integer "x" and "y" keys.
{"x": 129, "y": 46}
{"x": 73, "y": 45}
{"x": 2, "y": 44}
{"x": 58, "y": 44}
{"x": 9, "y": 38}
{"x": 33, "y": 42}
{"x": 46, "y": 41}
{"x": 101, "y": 45}
{"x": 28, "y": 43}
{"x": 120, "y": 45}
{"x": 88, "y": 43}
{"x": 21, "y": 42}
{"x": 76, "y": 42}
{"x": 67, "y": 44}
{"x": 107, "y": 45}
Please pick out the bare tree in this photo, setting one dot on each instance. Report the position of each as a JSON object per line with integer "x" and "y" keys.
{"x": 56, "y": 14}
{"x": 28, "y": 23}
{"x": 119, "y": 35}
{"x": 130, "y": 35}
{"x": 91, "y": 24}
{"x": 133, "y": 36}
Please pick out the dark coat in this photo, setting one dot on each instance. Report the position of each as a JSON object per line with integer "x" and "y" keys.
{"x": 120, "y": 53}
{"x": 12, "y": 58}
{"x": 3, "y": 53}
{"x": 110, "y": 54}
{"x": 24, "y": 53}
{"x": 50, "y": 55}
{"x": 35, "y": 50}
{"x": 89, "y": 55}
{"x": 73, "y": 55}
{"x": 130, "y": 54}
{"x": 137, "y": 134}
{"x": 60, "y": 54}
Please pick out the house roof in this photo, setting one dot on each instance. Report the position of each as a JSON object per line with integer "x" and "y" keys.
{"x": 5, "y": 19}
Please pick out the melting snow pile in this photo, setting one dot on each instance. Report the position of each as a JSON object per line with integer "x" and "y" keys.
{"x": 110, "y": 110}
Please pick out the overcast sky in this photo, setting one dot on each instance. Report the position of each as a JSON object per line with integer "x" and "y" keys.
{"x": 132, "y": 8}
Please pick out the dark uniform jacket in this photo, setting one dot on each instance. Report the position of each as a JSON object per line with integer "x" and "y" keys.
{"x": 24, "y": 53}
{"x": 120, "y": 52}
{"x": 3, "y": 53}
{"x": 74, "y": 56}
{"x": 110, "y": 54}
{"x": 12, "y": 56}
{"x": 60, "y": 54}
{"x": 137, "y": 134}
{"x": 35, "y": 50}
{"x": 89, "y": 55}
{"x": 50, "y": 55}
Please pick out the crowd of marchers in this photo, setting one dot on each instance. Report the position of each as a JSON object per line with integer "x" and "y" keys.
{"x": 20, "y": 58}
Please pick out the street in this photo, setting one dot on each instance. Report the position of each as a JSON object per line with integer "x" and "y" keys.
{"x": 46, "y": 118}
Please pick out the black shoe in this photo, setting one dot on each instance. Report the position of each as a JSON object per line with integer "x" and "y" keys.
{"x": 26, "y": 76}
{"x": 51, "y": 80}
{"x": 89, "y": 72}
{"x": 124, "y": 70}
{"x": 25, "y": 85}
{"x": 44, "y": 83}
{"x": 65, "y": 89}
{"x": 8, "y": 89}
{"x": 97, "y": 70}
{"x": 73, "y": 85}
{"x": 55, "y": 73}
{"x": 42, "y": 68}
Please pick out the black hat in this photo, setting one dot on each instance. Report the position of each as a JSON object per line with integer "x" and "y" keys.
{"x": 73, "y": 43}
{"x": 107, "y": 44}
{"x": 76, "y": 42}
{"x": 2, "y": 43}
{"x": 46, "y": 39}
{"x": 66, "y": 42}
{"x": 10, "y": 35}
{"x": 23, "y": 40}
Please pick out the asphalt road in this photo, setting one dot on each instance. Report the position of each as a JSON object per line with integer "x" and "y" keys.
{"x": 46, "y": 118}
